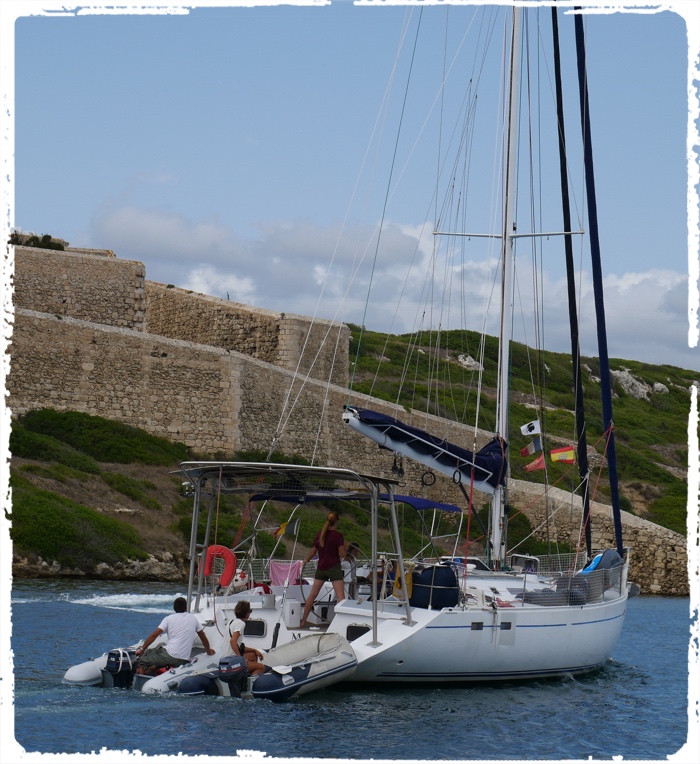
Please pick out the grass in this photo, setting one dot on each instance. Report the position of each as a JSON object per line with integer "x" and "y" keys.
{"x": 649, "y": 434}
{"x": 72, "y": 445}
{"x": 133, "y": 488}
{"x": 76, "y": 536}
{"x": 28, "y": 444}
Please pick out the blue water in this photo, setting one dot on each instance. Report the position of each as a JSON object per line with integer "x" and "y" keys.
{"x": 636, "y": 707}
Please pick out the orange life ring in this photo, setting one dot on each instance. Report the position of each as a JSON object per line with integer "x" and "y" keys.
{"x": 216, "y": 550}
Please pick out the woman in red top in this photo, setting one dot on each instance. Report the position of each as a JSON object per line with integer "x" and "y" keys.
{"x": 329, "y": 544}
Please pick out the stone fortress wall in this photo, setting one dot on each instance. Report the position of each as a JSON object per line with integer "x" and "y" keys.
{"x": 91, "y": 334}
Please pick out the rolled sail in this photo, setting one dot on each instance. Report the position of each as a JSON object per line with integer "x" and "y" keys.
{"x": 488, "y": 465}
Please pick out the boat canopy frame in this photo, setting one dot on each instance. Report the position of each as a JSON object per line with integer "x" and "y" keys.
{"x": 285, "y": 482}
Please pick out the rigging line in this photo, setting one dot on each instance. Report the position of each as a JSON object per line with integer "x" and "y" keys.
{"x": 471, "y": 111}
{"x": 437, "y": 97}
{"x": 538, "y": 288}
{"x": 218, "y": 501}
{"x": 280, "y": 428}
{"x": 479, "y": 71}
{"x": 386, "y": 198}
{"x": 580, "y": 209}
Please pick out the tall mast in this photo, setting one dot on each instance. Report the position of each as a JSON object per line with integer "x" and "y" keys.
{"x": 582, "y": 445}
{"x": 597, "y": 274}
{"x": 498, "y": 550}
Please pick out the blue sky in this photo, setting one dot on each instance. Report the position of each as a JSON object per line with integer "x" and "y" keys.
{"x": 231, "y": 150}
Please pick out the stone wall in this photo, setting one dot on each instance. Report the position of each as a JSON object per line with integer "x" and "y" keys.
{"x": 211, "y": 399}
{"x": 94, "y": 285}
{"x": 177, "y": 390}
{"x": 87, "y": 284}
{"x": 292, "y": 342}
{"x": 659, "y": 557}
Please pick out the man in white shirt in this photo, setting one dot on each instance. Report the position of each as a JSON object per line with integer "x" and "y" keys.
{"x": 181, "y": 628}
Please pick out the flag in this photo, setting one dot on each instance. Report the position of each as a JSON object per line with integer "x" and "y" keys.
{"x": 530, "y": 448}
{"x": 288, "y": 528}
{"x": 538, "y": 464}
{"x": 565, "y": 454}
{"x": 531, "y": 428}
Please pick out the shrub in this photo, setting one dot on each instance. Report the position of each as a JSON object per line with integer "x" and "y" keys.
{"x": 103, "y": 439}
{"x": 45, "y": 448}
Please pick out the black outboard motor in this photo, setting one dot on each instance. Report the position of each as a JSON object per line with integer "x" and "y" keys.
{"x": 120, "y": 669}
{"x": 233, "y": 671}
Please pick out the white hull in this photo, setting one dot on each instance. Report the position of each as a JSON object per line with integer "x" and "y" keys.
{"x": 87, "y": 673}
{"x": 509, "y": 643}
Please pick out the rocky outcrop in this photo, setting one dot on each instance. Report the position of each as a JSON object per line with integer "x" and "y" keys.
{"x": 163, "y": 567}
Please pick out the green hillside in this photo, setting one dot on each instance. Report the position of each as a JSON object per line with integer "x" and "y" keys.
{"x": 71, "y": 506}
{"x": 88, "y": 490}
{"x": 650, "y": 433}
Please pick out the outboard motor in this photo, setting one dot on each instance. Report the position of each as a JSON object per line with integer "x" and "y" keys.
{"x": 120, "y": 669}
{"x": 233, "y": 671}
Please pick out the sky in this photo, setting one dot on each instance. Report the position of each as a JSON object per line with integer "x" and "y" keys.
{"x": 251, "y": 152}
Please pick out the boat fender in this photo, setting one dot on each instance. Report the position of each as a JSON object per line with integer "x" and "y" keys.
{"x": 229, "y": 558}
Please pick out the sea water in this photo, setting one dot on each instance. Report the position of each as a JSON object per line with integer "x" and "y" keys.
{"x": 635, "y": 707}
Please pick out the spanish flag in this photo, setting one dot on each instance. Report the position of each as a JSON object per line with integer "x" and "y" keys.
{"x": 288, "y": 528}
{"x": 566, "y": 455}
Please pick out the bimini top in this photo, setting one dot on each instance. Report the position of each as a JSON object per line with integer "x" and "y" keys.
{"x": 422, "y": 505}
{"x": 489, "y": 465}
{"x": 283, "y": 482}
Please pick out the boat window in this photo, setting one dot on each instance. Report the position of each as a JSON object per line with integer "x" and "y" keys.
{"x": 505, "y": 625}
{"x": 478, "y": 626}
{"x": 356, "y": 630}
{"x": 255, "y": 628}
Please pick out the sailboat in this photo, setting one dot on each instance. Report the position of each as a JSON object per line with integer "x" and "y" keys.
{"x": 521, "y": 618}
{"x": 441, "y": 620}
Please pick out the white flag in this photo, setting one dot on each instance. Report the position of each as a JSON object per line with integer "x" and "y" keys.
{"x": 531, "y": 428}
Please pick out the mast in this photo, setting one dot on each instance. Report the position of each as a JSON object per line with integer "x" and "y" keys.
{"x": 498, "y": 551}
{"x": 597, "y": 272}
{"x": 582, "y": 447}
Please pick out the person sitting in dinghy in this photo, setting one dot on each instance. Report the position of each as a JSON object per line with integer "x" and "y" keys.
{"x": 236, "y": 629}
{"x": 181, "y": 629}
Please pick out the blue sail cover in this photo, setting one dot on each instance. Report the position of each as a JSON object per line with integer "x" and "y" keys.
{"x": 489, "y": 466}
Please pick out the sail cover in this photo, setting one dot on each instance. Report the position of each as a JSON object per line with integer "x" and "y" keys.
{"x": 488, "y": 465}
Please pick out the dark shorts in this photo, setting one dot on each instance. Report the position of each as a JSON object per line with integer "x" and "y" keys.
{"x": 330, "y": 574}
{"x": 157, "y": 657}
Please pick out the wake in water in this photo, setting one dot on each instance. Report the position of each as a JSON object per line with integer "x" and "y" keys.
{"x": 135, "y": 603}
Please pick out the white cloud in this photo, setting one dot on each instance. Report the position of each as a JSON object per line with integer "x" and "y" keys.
{"x": 213, "y": 282}
{"x": 298, "y": 267}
